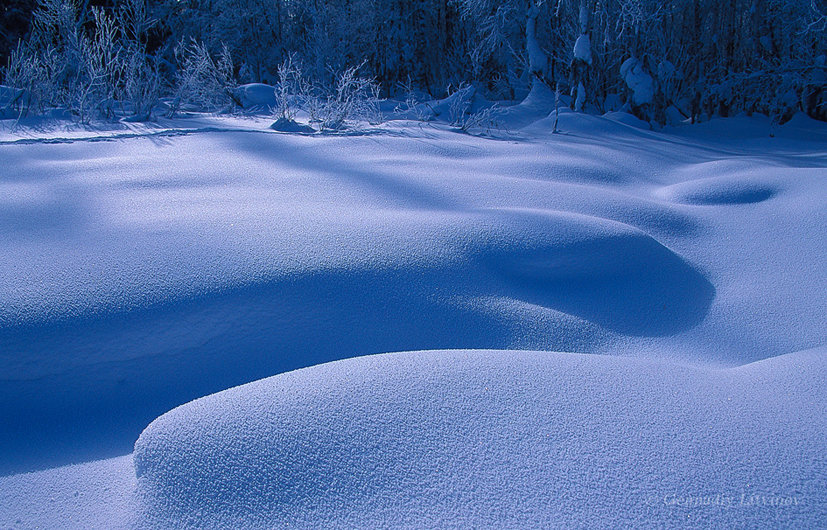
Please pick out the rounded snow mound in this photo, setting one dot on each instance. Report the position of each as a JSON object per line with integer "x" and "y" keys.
{"x": 719, "y": 191}
{"x": 288, "y": 125}
{"x": 256, "y": 96}
{"x": 603, "y": 271}
{"x": 495, "y": 439}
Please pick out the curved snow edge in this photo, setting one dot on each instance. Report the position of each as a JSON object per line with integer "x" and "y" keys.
{"x": 491, "y": 438}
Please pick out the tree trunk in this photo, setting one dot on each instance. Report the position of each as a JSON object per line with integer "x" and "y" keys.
{"x": 537, "y": 58}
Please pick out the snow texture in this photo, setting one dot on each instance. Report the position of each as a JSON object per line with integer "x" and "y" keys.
{"x": 467, "y": 438}
{"x": 496, "y": 439}
{"x": 99, "y": 494}
{"x": 149, "y": 265}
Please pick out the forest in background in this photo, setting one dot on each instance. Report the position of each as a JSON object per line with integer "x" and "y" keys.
{"x": 685, "y": 59}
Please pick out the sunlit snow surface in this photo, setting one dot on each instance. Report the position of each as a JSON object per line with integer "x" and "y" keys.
{"x": 172, "y": 261}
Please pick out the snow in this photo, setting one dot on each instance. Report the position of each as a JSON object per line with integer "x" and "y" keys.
{"x": 581, "y": 98}
{"x": 288, "y": 125}
{"x": 583, "y": 49}
{"x": 147, "y": 265}
{"x": 721, "y": 190}
{"x": 255, "y": 96}
{"x": 494, "y": 439}
{"x": 638, "y": 80}
{"x": 467, "y": 438}
{"x": 99, "y": 494}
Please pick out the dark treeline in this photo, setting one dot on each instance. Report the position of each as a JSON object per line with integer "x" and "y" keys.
{"x": 659, "y": 60}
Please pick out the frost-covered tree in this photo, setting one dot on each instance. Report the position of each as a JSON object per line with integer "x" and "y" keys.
{"x": 509, "y": 37}
{"x": 663, "y": 61}
{"x": 259, "y": 34}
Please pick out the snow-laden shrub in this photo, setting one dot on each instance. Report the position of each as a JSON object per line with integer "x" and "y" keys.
{"x": 202, "y": 81}
{"x": 141, "y": 87}
{"x": 141, "y": 84}
{"x": 463, "y": 115}
{"x": 27, "y": 73}
{"x": 460, "y": 105}
{"x": 79, "y": 66}
{"x": 100, "y": 69}
{"x": 89, "y": 67}
{"x": 414, "y": 105}
{"x": 486, "y": 120}
{"x": 640, "y": 83}
{"x": 353, "y": 98}
{"x": 290, "y": 90}
{"x": 47, "y": 66}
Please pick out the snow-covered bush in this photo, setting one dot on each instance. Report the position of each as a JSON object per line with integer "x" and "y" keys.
{"x": 486, "y": 120}
{"x": 413, "y": 105}
{"x": 463, "y": 115}
{"x": 89, "y": 67}
{"x": 352, "y": 98}
{"x": 141, "y": 85}
{"x": 26, "y": 72}
{"x": 202, "y": 81}
{"x": 583, "y": 49}
{"x": 641, "y": 87}
{"x": 640, "y": 83}
{"x": 291, "y": 89}
{"x": 101, "y": 67}
{"x": 460, "y": 103}
{"x": 77, "y": 67}
{"x": 48, "y": 65}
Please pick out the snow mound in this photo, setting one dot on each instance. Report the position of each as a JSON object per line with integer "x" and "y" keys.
{"x": 600, "y": 270}
{"x": 97, "y": 494}
{"x": 256, "y": 96}
{"x": 497, "y": 439}
{"x": 292, "y": 126}
{"x": 719, "y": 191}
{"x": 536, "y": 106}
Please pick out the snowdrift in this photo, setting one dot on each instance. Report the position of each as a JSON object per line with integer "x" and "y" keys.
{"x": 139, "y": 274}
{"x": 719, "y": 191}
{"x": 443, "y": 439}
{"x": 145, "y": 267}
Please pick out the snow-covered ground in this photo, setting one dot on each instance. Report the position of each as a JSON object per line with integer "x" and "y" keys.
{"x": 147, "y": 266}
